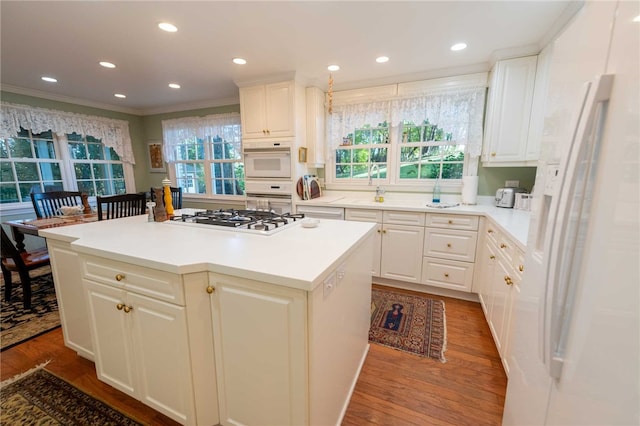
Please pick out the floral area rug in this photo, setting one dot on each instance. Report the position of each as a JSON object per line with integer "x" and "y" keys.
{"x": 414, "y": 324}
{"x": 40, "y": 398}
{"x": 18, "y": 324}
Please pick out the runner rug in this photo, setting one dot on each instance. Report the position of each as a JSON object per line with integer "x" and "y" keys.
{"x": 17, "y": 324}
{"x": 41, "y": 398}
{"x": 414, "y": 324}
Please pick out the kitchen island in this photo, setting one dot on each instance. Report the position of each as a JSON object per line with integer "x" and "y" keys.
{"x": 215, "y": 326}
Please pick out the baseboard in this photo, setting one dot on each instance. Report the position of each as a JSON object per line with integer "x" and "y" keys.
{"x": 423, "y": 288}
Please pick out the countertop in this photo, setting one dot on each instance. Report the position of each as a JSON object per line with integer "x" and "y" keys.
{"x": 514, "y": 222}
{"x": 295, "y": 257}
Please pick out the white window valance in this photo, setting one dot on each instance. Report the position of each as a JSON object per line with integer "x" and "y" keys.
{"x": 113, "y": 133}
{"x": 178, "y": 130}
{"x": 458, "y": 111}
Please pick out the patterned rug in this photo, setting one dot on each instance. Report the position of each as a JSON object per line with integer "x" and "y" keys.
{"x": 40, "y": 398}
{"x": 18, "y": 325}
{"x": 413, "y": 324}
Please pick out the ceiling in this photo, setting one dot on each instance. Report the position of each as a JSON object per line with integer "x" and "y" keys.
{"x": 67, "y": 39}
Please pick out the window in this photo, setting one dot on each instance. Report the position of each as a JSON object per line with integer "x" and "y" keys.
{"x": 38, "y": 163}
{"x": 205, "y": 154}
{"x": 430, "y": 132}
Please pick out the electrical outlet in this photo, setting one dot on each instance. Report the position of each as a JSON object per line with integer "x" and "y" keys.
{"x": 512, "y": 183}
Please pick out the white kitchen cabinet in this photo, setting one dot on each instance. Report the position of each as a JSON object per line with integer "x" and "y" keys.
{"x": 141, "y": 345}
{"x": 71, "y": 298}
{"x": 268, "y": 110}
{"x": 374, "y": 216}
{"x": 449, "y": 251}
{"x": 508, "y": 116}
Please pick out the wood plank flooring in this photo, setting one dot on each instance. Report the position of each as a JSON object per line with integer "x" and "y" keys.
{"x": 394, "y": 388}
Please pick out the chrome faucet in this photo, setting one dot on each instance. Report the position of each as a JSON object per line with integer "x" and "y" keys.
{"x": 377, "y": 166}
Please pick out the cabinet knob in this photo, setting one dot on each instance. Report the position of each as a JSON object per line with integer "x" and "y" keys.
{"x": 503, "y": 245}
{"x": 449, "y": 245}
{"x": 507, "y": 279}
{"x": 378, "y": 231}
{"x": 446, "y": 275}
{"x": 268, "y": 131}
{"x": 128, "y": 309}
{"x": 450, "y": 222}
{"x": 210, "y": 289}
{"x": 119, "y": 277}
{"x": 492, "y": 257}
{"x": 384, "y": 231}
{"x": 490, "y": 231}
{"x": 520, "y": 268}
{"x": 119, "y": 306}
{"x": 493, "y": 154}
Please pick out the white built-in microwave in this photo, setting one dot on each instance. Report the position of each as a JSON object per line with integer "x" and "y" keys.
{"x": 268, "y": 162}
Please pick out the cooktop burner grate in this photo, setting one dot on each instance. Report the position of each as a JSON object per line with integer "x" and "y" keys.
{"x": 258, "y": 221}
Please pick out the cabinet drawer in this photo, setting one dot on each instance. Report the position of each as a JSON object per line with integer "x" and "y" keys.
{"x": 364, "y": 215}
{"x": 452, "y": 221}
{"x": 447, "y": 273}
{"x": 450, "y": 244}
{"x": 149, "y": 282}
{"x": 403, "y": 218}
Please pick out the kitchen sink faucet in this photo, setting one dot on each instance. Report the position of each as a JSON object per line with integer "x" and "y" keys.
{"x": 377, "y": 167}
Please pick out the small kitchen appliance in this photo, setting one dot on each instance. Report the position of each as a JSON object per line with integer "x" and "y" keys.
{"x": 506, "y": 197}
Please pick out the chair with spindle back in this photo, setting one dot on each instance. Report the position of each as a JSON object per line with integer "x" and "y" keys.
{"x": 123, "y": 205}
{"x": 22, "y": 263}
{"x": 176, "y": 196}
{"x": 47, "y": 204}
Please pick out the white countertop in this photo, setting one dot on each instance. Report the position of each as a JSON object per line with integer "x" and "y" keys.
{"x": 295, "y": 257}
{"x": 514, "y": 222}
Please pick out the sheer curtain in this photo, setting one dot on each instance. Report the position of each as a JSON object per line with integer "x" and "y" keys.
{"x": 113, "y": 133}
{"x": 346, "y": 118}
{"x": 176, "y": 131}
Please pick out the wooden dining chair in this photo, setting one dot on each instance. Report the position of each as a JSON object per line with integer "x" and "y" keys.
{"x": 176, "y": 196}
{"x": 22, "y": 263}
{"x": 123, "y": 205}
{"x": 48, "y": 204}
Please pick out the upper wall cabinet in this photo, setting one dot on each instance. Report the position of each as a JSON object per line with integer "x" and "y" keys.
{"x": 515, "y": 107}
{"x": 268, "y": 110}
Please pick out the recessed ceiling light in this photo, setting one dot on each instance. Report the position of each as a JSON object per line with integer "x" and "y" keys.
{"x": 120, "y": 95}
{"x": 50, "y": 79}
{"x": 107, "y": 64}
{"x": 333, "y": 67}
{"x": 382, "y": 59}
{"x": 459, "y": 46}
{"x": 174, "y": 85}
{"x": 636, "y": 19}
{"x": 239, "y": 61}
{"x": 165, "y": 26}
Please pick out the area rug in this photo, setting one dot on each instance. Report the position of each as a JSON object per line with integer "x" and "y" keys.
{"x": 17, "y": 324}
{"x": 40, "y": 398}
{"x": 409, "y": 323}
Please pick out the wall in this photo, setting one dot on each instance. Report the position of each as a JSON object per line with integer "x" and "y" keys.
{"x": 492, "y": 178}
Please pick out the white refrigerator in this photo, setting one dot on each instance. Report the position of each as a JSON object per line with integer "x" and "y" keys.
{"x": 575, "y": 356}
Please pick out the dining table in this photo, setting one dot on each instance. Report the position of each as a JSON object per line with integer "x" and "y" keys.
{"x": 21, "y": 227}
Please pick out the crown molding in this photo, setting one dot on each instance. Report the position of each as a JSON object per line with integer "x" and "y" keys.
{"x": 212, "y": 103}
{"x": 67, "y": 99}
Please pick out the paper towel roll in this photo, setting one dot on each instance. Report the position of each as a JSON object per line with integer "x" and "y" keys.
{"x": 469, "y": 189}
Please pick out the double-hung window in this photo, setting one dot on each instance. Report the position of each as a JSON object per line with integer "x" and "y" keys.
{"x": 205, "y": 154}
{"x": 409, "y": 139}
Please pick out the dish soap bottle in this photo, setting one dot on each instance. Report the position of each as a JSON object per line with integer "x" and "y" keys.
{"x": 436, "y": 192}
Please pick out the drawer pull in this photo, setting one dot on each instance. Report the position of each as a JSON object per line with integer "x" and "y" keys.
{"x": 119, "y": 306}
{"x": 128, "y": 309}
{"x": 378, "y": 231}
{"x": 521, "y": 268}
{"x": 449, "y": 245}
{"x": 384, "y": 231}
{"x": 450, "y": 222}
{"x": 446, "y": 275}
{"x": 503, "y": 245}
{"x": 119, "y": 277}
{"x": 210, "y": 289}
{"x": 492, "y": 257}
{"x": 507, "y": 279}
{"x": 490, "y": 231}
{"x": 493, "y": 154}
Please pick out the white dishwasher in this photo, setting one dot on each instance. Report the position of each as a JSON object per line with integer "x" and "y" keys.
{"x": 321, "y": 212}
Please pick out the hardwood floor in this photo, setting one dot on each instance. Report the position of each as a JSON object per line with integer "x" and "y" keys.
{"x": 394, "y": 388}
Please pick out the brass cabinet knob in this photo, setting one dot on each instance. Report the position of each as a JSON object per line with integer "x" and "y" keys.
{"x": 492, "y": 257}
{"x": 503, "y": 245}
{"x": 493, "y": 154}
{"x": 127, "y": 309}
{"x": 268, "y": 131}
{"x": 449, "y": 245}
{"x": 521, "y": 268}
{"x": 384, "y": 231}
{"x": 490, "y": 231}
{"x": 210, "y": 289}
{"x": 446, "y": 275}
{"x": 508, "y": 280}
{"x": 450, "y": 222}
{"x": 119, "y": 277}
{"x": 119, "y": 306}
{"x": 378, "y": 231}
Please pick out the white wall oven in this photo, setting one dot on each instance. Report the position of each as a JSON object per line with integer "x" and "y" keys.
{"x": 269, "y": 195}
{"x": 267, "y": 163}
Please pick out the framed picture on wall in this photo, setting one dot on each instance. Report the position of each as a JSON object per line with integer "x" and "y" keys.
{"x": 156, "y": 160}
